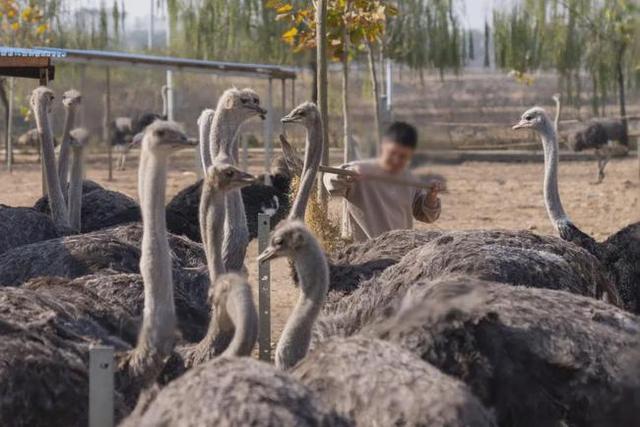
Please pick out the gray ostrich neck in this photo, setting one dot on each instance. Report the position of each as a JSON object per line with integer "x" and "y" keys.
{"x": 65, "y": 148}
{"x": 75, "y": 188}
{"x": 212, "y": 217}
{"x": 552, "y": 200}
{"x": 59, "y": 212}
{"x": 244, "y": 321}
{"x": 205, "y": 148}
{"x": 224, "y": 130}
{"x": 313, "y": 274}
{"x": 312, "y": 158}
{"x": 156, "y": 337}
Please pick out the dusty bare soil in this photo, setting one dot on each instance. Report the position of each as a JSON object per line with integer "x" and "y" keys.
{"x": 480, "y": 196}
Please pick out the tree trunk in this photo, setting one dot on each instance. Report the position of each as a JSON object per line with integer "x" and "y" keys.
{"x": 5, "y": 104}
{"x": 376, "y": 94}
{"x": 348, "y": 149}
{"x": 314, "y": 87}
{"x": 621, "y": 95}
{"x": 323, "y": 87}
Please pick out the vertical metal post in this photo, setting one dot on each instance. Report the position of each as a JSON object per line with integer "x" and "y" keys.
{"x": 106, "y": 120}
{"x": 151, "y": 22}
{"x": 101, "y": 386}
{"x": 389, "y": 86}
{"x": 284, "y": 102}
{"x": 9, "y": 127}
{"x": 44, "y": 81}
{"x": 264, "y": 290}
{"x": 83, "y": 81}
{"x": 268, "y": 134}
{"x": 170, "y": 94}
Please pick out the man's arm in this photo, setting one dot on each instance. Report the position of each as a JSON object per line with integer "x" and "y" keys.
{"x": 339, "y": 185}
{"x": 427, "y": 206}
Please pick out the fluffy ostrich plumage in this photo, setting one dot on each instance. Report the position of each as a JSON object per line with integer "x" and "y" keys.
{"x": 105, "y": 251}
{"x": 235, "y": 392}
{"x": 22, "y": 226}
{"x": 536, "y": 356}
{"x": 374, "y": 382}
{"x": 182, "y": 210}
{"x": 597, "y": 134}
{"x": 101, "y": 208}
{"x": 515, "y": 258}
{"x": 44, "y": 359}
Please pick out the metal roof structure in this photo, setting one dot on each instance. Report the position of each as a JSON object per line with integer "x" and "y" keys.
{"x": 120, "y": 59}
{"x": 28, "y": 63}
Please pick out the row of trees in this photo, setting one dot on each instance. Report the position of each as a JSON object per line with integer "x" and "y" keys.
{"x": 573, "y": 37}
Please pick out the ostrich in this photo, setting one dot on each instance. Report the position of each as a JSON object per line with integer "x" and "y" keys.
{"x": 558, "y": 101}
{"x": 537, "y": 357}
{"x": 53, "y": 345}
{"x": 41, "y": 100}
{"x": 78, "y": 141}
{"x": 619, "y": 254}
{"x": 70, "y": 99}
{"x": 346, "y": 373}
{"x": 598, "y": 135}
{"x": 234, "y": 389}
{"x": 121, "y": 139}
{"x": 234, "y": 108}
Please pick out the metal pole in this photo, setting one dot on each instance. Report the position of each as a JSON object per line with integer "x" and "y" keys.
{"x": 44, "y": 81}
{"x": 268, "y": 134}
{"x": 83, "y": 80}
{"x": 106, "y": 120}
{"x": 170, "y": 110}
{"x": 9, "y": 127}
{"x": 150, "y": 34}
{"x": 389, "y": 86}
{"x": 264, "y": 290}
{"x": 100, "y": 386}
{"x": 293, "y": 93}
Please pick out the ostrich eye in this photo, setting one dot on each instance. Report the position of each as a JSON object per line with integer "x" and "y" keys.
{"x": 244, "y": 101}
{"x": 160, "y": 133}
{"x": 528, "y": 118}
{"x": 256, "y": 101}
{"x": 277, "y": 240}
{"x": 229, "y": 173}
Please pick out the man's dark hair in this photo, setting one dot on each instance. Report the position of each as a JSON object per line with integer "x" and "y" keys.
{"x": 402, "y": 133}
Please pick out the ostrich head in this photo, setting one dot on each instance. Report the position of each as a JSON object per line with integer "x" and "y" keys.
{"x": 535, "y": 119}
{"x": 71, "y": 98}
{"x": 305, "y": 114}
{"x": 165, "y": 138}
{"x": 242, "y": 104}
{"x": 288, "y": 239}
{"x": 556, "y": 97}
{"x": 79, "y": 137}
{"x": 225, "y": 177}
{"x": 42, "y": 97}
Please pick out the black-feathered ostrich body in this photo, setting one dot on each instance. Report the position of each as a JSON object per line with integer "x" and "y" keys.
{"x": 597, "y": 135}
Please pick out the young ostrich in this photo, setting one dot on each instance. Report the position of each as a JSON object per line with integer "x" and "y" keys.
{"x": 347, "y": 373}
{"x": 535, "y": 356}
{"x": 598, "y": 135}
{"x": 71, "y": 99}
{"x": 620, "y": 253}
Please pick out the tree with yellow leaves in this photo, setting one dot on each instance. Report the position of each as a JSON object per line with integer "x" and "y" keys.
{"x": 23, "y": 23}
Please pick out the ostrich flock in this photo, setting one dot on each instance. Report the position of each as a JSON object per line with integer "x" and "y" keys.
{"x": 412, "y": 328}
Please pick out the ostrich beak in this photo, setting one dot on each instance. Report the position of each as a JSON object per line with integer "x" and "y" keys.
{"x": 260, "y": 111}
{"x": 523, "y": 124}
{"x": 246, "y": 178}
{"x": 268, "y": 254}
{"x": 288, "y": 119}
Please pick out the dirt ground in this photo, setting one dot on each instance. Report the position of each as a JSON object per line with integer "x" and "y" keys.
{"x": 479, "y": 196}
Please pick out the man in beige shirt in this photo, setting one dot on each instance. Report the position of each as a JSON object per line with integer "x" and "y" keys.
{"x": 375, "y": 207}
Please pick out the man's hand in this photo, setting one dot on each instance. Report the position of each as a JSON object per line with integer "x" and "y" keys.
{"x": 432, "y": 201}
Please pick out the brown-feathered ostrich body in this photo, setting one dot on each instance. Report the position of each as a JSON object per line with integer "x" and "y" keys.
{"x": 620, "y": 253}
{"x": 536, "y": 356}
{"x": 515, "y": 258}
